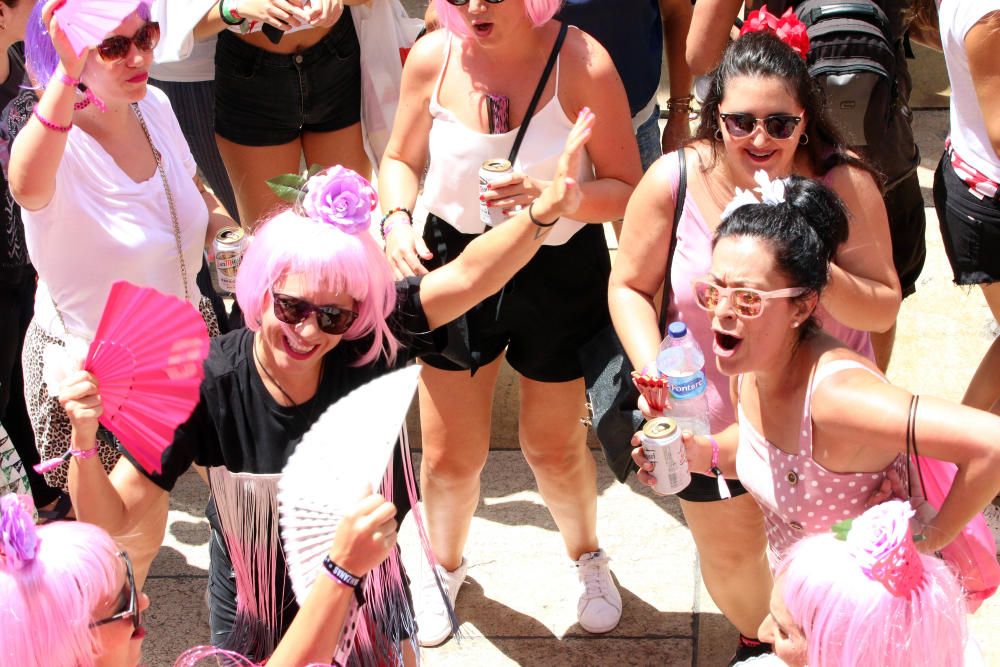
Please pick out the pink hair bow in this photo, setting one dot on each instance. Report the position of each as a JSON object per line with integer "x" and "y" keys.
{"x": 788, "y": 28}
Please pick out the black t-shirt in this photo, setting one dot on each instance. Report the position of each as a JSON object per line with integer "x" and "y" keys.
{"x": 16, "y": 105}
{"x": 239, "y": 426}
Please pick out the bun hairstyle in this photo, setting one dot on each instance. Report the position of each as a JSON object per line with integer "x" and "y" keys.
{"x": 762, "y": 55}
{"x": 804, "y": 231}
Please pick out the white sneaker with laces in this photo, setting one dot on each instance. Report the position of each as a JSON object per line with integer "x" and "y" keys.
{"x": 433, "y": 620}
{"x": 600, "y": 605}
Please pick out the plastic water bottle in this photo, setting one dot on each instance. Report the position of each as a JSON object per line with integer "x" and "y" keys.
{"x": 683, "y": 362}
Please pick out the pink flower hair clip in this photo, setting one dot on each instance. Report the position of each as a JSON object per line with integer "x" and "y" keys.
{"x": 18, "y": 539}
{"x": 336, "y": 196}
{"x": 788, "y": 28}
{"x": 881, "y": 542}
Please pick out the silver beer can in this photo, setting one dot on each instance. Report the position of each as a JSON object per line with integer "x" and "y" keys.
{"x": 229, "y": 245}
{"x": 490, "y": 172}
{"x": 662, "y": 445}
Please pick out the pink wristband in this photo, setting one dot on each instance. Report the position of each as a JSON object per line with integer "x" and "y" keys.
{"x": 49, "y": 124}
{"x": 67, "y": 80}
{"x": 84, "y": 454}
{"x": 724, "y": 492}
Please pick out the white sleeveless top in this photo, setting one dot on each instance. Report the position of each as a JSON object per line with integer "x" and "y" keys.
{"x": 451, "y": 187}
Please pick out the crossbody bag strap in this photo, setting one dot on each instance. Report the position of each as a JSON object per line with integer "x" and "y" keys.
{"x": 533, "y": 105}
{"x": 170, "y": 199}
{"x": 678, "y": 209}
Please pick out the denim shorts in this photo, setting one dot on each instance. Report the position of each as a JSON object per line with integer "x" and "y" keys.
{"x": 647, "y": 137}
{"x": 269, "y": 99}
{"x": 970, "y": 227}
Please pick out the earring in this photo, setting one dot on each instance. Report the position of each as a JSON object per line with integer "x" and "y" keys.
{"x": 718, "y": 134}
{"x": 803, "y": 139}
{"x": 795, "y": 325}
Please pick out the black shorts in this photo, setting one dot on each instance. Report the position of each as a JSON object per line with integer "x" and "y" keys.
{"x": 269, "y": 99}
{"x": 904, "y": 205}
{"x": 970, "y": 228}
{"x": 551, "y": 307}
{"x": 705, "y": 489}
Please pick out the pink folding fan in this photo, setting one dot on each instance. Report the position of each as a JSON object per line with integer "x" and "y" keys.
{"x": 147, "y": 356}
{"x": 87, "y": 22}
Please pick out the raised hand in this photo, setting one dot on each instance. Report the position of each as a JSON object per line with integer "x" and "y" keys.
{"x": 80, "y": 397}
{"x": 562, "y": 195}
{"x": 72, "y": 64}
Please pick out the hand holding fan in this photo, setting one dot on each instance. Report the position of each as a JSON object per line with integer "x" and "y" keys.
{"x": 87, "y": 22}
{"x": 147, "y": 356}
{"x": 347, "y": 450}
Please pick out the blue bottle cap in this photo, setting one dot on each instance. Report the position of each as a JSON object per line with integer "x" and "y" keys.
{"x": 677, "y": 330}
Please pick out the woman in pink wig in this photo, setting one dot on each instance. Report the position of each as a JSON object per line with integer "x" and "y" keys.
{"x": 467, "y": 96}
{"x": 68, "y": 595}
{"x": 324, "y": 318}
{"x": 866, "y": 597}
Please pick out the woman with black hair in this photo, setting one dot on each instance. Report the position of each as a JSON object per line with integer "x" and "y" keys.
{"x": 764, "y": 113}
{"x": 819, "y": 429}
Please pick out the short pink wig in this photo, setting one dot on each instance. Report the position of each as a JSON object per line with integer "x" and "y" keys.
{"x": 538, "y": 11}
{"x": 850, "y": 619}
{"x": 327, "y": 257}
{"x": 46, "y": 607}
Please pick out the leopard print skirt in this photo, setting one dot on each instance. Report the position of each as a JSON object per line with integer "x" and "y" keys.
{"x": 48, "y": 418}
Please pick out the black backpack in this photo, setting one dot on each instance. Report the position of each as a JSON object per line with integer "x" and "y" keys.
{"x": 857, "y": 54}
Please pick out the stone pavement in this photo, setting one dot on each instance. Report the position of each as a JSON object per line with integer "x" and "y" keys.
{"x": 516, "y": 605}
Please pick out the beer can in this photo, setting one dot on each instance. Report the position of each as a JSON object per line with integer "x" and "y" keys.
{"x": 489, "y": 173}
{"x": 229, "y": 244}
{"x": 662, "y": 445}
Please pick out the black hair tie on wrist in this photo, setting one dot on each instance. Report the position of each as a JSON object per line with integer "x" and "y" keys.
{"x": 535, "y": 221}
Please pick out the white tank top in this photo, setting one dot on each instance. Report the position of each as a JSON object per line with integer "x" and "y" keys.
{"x": 451, "y": 187}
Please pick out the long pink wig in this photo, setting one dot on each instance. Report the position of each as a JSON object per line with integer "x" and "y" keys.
{"x": 327, "y": 257}
{"x": 538, "y": 11}
{"x": 46, "y": 606}
{"x": 850, "y": 619}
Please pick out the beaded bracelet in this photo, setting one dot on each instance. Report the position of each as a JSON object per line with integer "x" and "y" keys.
{"x": 339, "y": 574}
{"x": 48, "y": 124}
{"x": 385, "y": 229}
{"x": 535, "y": 221}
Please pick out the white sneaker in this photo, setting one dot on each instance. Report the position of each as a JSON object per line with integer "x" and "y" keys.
{"x": 433, "y": 618}
{"x": 600, "y": 605}
{"x": 992, "y": 516}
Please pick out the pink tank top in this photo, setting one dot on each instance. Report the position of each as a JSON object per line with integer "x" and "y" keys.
{"x": 799, "y": 497}
{"x": 693, "y": 260}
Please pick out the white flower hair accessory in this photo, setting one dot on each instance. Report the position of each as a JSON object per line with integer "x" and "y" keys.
{"x": 771, "y": 192}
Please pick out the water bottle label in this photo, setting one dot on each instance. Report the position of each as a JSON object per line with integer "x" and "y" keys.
{"x": 688, "y": 386}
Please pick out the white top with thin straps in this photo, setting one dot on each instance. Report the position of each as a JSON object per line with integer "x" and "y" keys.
{"x": 451, "y": 187}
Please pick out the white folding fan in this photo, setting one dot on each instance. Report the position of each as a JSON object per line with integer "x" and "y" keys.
{"x": 347, "y": 449}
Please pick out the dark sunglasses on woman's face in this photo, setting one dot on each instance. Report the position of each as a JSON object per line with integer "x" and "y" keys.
{"x": 130, "y": 600}
{"x": 459, "y": 3}
{"x": 778, "y": 126}
{"x": 330, "y": 319}
{"x": 116, "y": 47}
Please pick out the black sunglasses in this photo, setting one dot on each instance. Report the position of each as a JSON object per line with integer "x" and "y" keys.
{"x": 459, "y": 3}
{"x": 116, "y": 47}
{"x": 131, "y": 599}
{"x": 778, "y": 126}
{"x": 331, "y": 319}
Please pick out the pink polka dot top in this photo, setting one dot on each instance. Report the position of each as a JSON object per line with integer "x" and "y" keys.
{"x": 799, "y": 497}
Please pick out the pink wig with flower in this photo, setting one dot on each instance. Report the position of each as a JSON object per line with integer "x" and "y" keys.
{"x": 326, "y": 240}
{"x": 911, "y": 614}
{"x": 538, "y": 11}
{"x": 48, "y": 594}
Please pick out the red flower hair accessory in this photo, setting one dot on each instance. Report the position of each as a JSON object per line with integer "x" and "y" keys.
{"x": 788, "y": 28}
